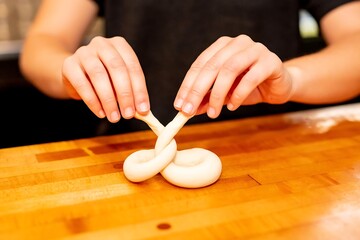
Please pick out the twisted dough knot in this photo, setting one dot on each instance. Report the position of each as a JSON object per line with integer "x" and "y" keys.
{"x": 191, "y": 168}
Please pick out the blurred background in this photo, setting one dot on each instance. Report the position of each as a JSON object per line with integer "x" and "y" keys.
{"x": 29, "y": 117}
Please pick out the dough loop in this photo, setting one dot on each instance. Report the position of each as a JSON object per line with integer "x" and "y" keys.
{"x": 190, "y": 168}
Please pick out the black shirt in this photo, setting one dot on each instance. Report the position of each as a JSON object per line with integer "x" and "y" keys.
{"x": 168, "y": 35}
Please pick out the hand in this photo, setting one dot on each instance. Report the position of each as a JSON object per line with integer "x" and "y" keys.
{"x": 107, "y": 76}
{"x": 233, "y": 71}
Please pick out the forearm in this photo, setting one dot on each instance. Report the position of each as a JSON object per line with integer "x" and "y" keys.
{"x": 41, "y": 62}
{"x": 51, "y": 38}
{"x": 331, "y": 75}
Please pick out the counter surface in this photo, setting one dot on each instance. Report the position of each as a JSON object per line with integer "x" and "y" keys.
{"x": 288, "y": 176}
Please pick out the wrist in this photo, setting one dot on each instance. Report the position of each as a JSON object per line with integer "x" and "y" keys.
{"x": 294, "y": 74}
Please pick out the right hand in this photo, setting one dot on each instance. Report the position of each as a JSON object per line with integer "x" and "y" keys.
{"x": 107, "y": 76}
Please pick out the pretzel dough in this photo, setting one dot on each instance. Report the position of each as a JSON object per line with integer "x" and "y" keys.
{"x": 190, "y": 168}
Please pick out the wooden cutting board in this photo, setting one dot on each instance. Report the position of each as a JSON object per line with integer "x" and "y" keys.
{"x": 290, "y": 176}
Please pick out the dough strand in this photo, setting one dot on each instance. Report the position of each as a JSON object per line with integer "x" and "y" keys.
{"x": 190, "y": 168}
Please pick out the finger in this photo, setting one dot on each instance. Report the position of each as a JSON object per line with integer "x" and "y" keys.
{"x": 70, "y": 89}
{"x": 195, "y": 69}
{"x": 138, "y": 84}
{"x": 248, "y": 88}
{"x": 204, "y": 104}
{"x": 101, "y": 83}
{"x": 208, "y": 76}
{"x": 271, "y": 89}
{"x": 234, "y": 67}
{"x": 118, "y": 77}
{"x": 76, "y": 78}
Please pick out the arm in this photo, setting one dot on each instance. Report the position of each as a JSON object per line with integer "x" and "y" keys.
{"x": 238, "y": 71}
{"x": 333, "y": 74}
{"x": 55, "y": 34}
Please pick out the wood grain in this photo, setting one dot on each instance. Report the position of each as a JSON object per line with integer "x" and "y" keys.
{"x": 288, "y": 176}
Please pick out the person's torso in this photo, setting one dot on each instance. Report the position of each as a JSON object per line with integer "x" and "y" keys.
{"x": 168, "y": 35}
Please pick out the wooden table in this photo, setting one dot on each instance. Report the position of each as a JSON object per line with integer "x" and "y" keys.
{"x": 291, "y": 176}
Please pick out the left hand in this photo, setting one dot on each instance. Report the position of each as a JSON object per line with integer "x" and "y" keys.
{"x": 233, "y": 71}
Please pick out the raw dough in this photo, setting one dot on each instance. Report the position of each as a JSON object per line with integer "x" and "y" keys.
{"x": 191, "y": 168}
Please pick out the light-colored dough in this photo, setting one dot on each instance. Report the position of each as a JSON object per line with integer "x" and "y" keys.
{"x": 190, "y": 168}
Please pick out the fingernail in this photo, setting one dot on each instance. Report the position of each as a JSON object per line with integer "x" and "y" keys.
{"x": 178, "y": 103}
{"x": 101, "y": 114}
{"x": 143, "y": 107}
{"x": 211, "y": 112}
{"x": 188, "y": 108}
{"x": 129, "y": 112}
{"x": 230, "y": 107}
{"x": 115, "y": 116}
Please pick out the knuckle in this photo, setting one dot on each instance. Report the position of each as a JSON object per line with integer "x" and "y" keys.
{"x": 274, "y": 59}
{"x": 252, "y": 79}
{"x": 90, "y": 101}
{"x": 216, "y": 96}
{"x": 108, "y": 100}
{"x": 97, "y": 40}
{"x": 197, "y": 65}
{"x": 78, "y": 83}
{"x": 196, "y": 92}
{"x": 124, "y": 94}
{"x": 134, "y": 66}
{"x": 195, "y": 68}
{"x": 183, "y": 91}
{"x": 116, "y": 63}
{"x": 140, "y": 95}
{"x": 244, "y": 38}
{"x": 185, "y": 88}
{"x": 236, "y": 97}
{"x": 118, "y": 39}
{"x": 96, "y": 70}
{"x": 224, "y": 39}
{"x": 212, "y": 65}
{"x": 230, "y": 67}
{"x": 259, "y": 46}
{"x": 93, "y": 65}
{"x": 81, "y": 50}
